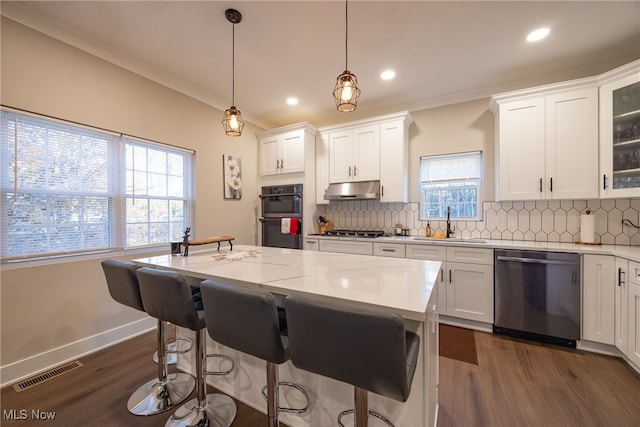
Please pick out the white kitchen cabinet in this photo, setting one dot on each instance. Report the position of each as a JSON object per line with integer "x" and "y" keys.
{"x": 354, "y": 154}
{"x": 322, "y": 167}
{"x": 394, "y": 160}
{"x": 547, "y": 142}
{"x": 432, "y": 365}
{"x": 311, "y": 244}
{"x": 621, "y": 304}
{"x": 620, "y": 132}
{"x": 394, "y": 250}
{"x": 468, "y": 284}
{"x": 598, "y": 299}
{"x": 633, "y": 333}
{"x": 360, "y": 247}
{"x": 465, "y": 283}
{"x": 282, "y": 150}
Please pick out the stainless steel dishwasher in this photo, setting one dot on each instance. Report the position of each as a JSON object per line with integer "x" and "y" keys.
{"x": 537, "y": 295}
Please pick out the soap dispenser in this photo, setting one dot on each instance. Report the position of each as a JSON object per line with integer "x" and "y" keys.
{"x": 428, "y": 231}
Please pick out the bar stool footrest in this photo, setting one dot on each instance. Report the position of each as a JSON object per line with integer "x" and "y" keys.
{"x": 222, "y": 356}
{"x": 297, "y": 387}
{"x": 371, "y": 413}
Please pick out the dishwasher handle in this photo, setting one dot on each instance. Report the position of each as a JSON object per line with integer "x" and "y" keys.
{"x": 534, "y": 260}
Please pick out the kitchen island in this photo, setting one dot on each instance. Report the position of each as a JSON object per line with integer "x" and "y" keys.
{"x": 400, "y": 285}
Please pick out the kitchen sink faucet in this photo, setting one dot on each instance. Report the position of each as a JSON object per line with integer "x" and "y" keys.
{"x": 449, "y": 231}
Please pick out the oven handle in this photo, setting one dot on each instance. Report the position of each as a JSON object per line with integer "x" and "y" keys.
{"x": 534, "y": 261}
{"x": 279, "y": 218}
{"x": 264, "y": 196}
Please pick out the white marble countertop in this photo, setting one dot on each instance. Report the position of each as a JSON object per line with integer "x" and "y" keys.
{"x": 399, "y": 284}
{"x": 631, "y": 253}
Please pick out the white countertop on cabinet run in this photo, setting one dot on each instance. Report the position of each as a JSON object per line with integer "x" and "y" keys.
{"x": 631, "y": 253}
{"x": 401, "y": 285}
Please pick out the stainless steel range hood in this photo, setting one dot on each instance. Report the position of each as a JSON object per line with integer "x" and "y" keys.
{"x": 353, "y": 191}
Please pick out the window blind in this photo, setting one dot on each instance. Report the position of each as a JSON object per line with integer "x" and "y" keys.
{"x": 65, "y": 189}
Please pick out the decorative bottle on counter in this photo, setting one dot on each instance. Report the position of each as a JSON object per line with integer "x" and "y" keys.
{"x": 428, "y": 231}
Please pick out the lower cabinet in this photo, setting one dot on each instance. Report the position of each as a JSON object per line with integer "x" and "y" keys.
{"x": 621, "y": 305}
{"x": 598, "y": 294}
{"x": 311, "y": 244}
{"x": 347, "y": 246}
{"x": 465, "y": 287}
{"x": 633, "y": 332}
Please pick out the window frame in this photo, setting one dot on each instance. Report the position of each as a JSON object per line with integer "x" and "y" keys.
{"x": 424, "y": 160}
{"x": 115, "y": 193}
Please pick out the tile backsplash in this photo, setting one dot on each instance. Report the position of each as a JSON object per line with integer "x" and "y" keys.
{"x": 541, "y": 221}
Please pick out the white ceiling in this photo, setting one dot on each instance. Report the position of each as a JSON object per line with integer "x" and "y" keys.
{"x": 443, "y": 52}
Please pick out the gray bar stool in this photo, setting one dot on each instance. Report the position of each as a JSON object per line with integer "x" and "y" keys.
{"x": 167, "y": 390}
{"x": 247, "y": 320}
{"x": 167, "y": 296}
{"x": 366, "y": 348}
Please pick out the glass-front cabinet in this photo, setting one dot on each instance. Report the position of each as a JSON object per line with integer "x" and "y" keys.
{"x": 620, "y": 134}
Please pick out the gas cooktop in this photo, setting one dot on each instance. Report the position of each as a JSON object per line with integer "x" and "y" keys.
{"x": 355, "y": 233}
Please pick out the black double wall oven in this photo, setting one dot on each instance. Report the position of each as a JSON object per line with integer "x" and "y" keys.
{"x": 281, "y": 202}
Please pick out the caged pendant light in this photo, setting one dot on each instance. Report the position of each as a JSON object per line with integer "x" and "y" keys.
{"x": 346, "y": 92}
{"x": 231, "y": 121}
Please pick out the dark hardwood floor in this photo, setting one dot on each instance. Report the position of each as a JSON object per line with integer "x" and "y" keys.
{"x": 96, "y": 394}
{"x": 521, "y": 383}
{"x": 516, "y": 383}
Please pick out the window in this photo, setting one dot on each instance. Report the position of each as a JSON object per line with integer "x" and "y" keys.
{"x": 453, "y": 181}
{"x": 68, "y": 188}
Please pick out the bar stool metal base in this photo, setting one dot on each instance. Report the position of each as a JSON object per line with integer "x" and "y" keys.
{"x": 219, "y": 411}
{"x": 155, "y": 396}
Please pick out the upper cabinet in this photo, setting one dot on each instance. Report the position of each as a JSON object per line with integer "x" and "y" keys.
{"x": 354, "y": 154}
{"x": 282, "y": 150}
{"x": 620, "y": 132}
{"x": 366, "y": 150}
{"x": 547, "y": 142}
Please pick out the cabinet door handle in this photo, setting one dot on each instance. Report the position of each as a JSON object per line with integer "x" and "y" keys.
{"x": 382, "y": 191}
{"x": 349, "y": 170}
{"x": 620, "y": 274}
{"x": 551, "y": 184}
{"x": 282, "y": 163}
{"x": 441, "y": 275}
{"x": 450, "y": 276}
{"x": 388, "y": 250}
{"x": 604, "y": 181}
{"x": 355, "y": 171}
{"x": 541, "y": 185}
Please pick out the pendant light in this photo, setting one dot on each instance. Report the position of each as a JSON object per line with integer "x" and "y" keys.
{"x": 231, "y": 121}
{"x": 346, "y": 91}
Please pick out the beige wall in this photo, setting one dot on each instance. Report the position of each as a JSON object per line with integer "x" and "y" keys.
{"x": 49, "y": 306}
{"x": 468, "y": 126}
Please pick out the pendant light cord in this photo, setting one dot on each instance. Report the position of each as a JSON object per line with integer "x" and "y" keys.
{"x": 233, "y": 64}
{"x": 346, "y": 34}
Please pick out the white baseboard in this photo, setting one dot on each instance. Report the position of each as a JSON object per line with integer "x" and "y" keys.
{"x": 25, "y": 368}
{"x": 464, "y": 323}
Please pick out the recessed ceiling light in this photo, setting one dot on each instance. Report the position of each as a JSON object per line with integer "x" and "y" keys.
{"x": 387, "y": 75}
{"x": 538, "y": 34}
{"x": 292, "y": 101}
